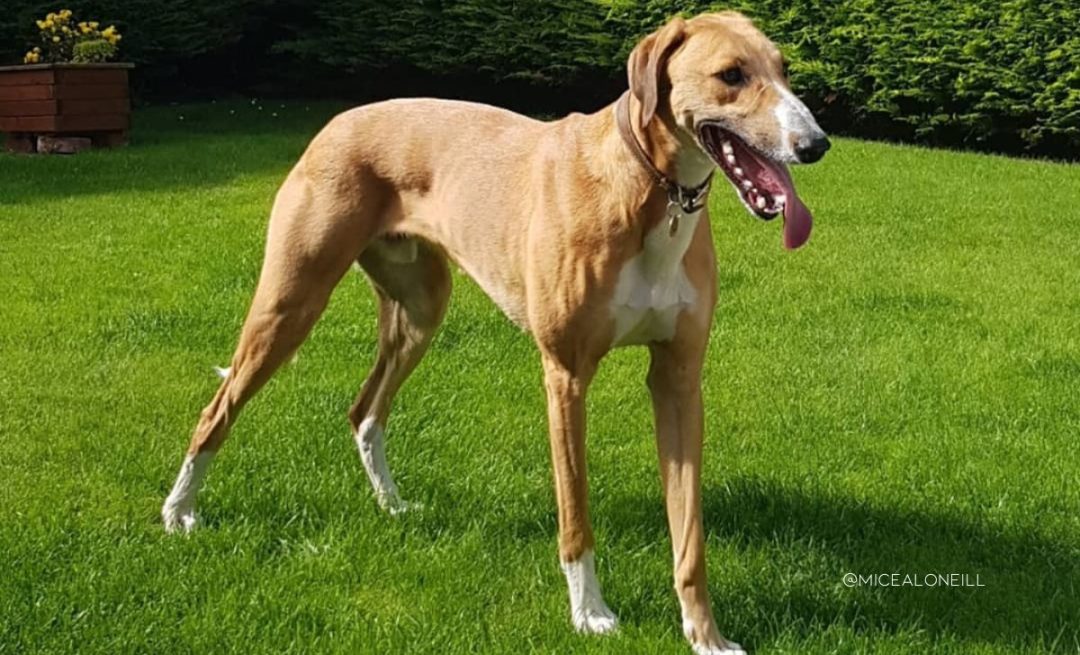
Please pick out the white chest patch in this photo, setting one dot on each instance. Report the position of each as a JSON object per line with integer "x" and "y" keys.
{"x": 653, "y": 287}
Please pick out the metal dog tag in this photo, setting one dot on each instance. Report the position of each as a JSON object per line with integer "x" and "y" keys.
{"x": 673, "y": 212}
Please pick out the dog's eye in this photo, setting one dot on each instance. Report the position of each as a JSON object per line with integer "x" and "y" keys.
{"x": 732, "y": 76}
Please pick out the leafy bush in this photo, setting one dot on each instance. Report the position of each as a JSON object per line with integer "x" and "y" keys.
{"x": 92, "y": 52}
{"x": 1001, "y": 74}
{"x": 546, "y": 42}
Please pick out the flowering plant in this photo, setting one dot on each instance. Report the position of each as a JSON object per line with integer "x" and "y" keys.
{"x": 64, "y": 40}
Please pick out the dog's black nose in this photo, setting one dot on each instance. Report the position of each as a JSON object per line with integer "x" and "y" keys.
{"x": 811, "y": 149}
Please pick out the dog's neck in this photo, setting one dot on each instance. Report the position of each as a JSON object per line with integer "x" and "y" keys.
{"x": 673, "y": 151}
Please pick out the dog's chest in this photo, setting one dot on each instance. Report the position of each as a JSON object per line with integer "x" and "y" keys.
{"x": 653, "y": 287}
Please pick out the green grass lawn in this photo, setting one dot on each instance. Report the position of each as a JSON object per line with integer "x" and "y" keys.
{"x": 898, "y": 396}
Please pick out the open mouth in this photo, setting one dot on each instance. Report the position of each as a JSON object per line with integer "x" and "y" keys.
{"x": 762, "y": 184}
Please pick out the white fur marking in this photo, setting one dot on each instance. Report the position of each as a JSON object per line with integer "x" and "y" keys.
{"x": 178, "y": 512}
{"x": 588, "y": 611}
{"x": 731, "y": 648}
{"x": 369, "y": 440}
{"x": 653, "y": 287}
{"x": 794, "y": 119}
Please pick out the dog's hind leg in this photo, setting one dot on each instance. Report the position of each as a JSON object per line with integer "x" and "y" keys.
{"x": 315, "y": 232}
{"x": 412, "y": 282}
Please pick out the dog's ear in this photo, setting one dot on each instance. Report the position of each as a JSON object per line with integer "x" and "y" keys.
{"x": 647, "y": 63}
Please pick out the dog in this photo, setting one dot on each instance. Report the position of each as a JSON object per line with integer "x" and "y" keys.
{"x": 590, "y": 232}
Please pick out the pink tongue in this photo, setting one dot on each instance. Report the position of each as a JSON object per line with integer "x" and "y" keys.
{"x": 797, "y": 222}
{"x": 797, "y": 218}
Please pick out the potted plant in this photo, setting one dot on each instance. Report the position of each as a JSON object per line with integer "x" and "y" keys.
{"x": 66, "y": 94}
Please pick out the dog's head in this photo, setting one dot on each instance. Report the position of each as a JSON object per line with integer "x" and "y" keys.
{"x": 723, "y": 85}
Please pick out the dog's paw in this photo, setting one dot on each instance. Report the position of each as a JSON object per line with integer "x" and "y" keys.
{"x": 706, "y": 640}
{"x": 729, "y": 648}
{"x": 179, "y": 518}
{"x": 393, "y": 504}
{"x": 588, "y": 611}
{"x": 596, "y": 619}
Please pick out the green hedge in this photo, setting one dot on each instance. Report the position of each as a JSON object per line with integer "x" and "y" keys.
{"x": 545, "y": 42}
{"x": 981, "y": 73}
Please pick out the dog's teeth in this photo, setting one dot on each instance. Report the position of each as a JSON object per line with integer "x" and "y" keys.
{"x": 726, "y": 146}
{"x": 747, "y": 184}
{"x": 730, "y": 159}
{"x": 738, "y": 172}
{"x": 760, "y": 202}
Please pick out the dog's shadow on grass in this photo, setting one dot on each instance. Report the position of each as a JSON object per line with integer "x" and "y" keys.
{"x": 1031, "y": 585}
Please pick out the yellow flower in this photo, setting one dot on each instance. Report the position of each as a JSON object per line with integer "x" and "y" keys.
{"x": 93, "y": 24}
{"x": 40, "y": 24}
{"x": 56, "y": 39}
{"x": 65, "y": 13}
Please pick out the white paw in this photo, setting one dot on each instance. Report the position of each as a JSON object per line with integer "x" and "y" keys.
{"x": 729, "y": 648}
{"x": 394, "y": 505}
{"x": 178, "y": 512}
{"x": 179, "y": 518}
{"x": 595, "y": 620}
{"x": 588, "y": 611}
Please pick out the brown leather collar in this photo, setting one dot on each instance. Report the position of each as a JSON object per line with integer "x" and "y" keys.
{"x": 689, "y": 199}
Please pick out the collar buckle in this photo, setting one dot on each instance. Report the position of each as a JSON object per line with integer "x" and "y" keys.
{"x": 690, "y": 200}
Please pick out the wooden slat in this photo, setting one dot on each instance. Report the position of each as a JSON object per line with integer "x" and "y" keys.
{"x": 98, "y": 106}
{"x": 27, "y": 92}
{"x": 92, "y": 123}
{"x": 19, "y": 78}
{"x": 91, "y": 91}
{"x": 35, "y": 107}
{"x": 91, "y": 76}
{"x": 28, "y": 124}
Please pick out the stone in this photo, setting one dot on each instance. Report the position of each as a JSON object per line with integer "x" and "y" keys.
{"x": 62, "y": 145}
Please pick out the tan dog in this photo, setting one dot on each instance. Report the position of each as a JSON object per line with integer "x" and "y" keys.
{"x": 587, "y": 235}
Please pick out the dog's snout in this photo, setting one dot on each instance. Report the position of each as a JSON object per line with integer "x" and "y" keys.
{"x": 810, "y": 149}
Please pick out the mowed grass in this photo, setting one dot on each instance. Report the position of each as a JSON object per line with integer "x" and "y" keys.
{"x": 898, "y": 396}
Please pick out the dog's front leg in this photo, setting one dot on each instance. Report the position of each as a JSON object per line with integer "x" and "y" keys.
{"x": 675, "y": 384}
{"x": 566, "y": 423}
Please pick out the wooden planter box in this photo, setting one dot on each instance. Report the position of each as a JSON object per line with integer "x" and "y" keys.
{"x": 84, "y": 100}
